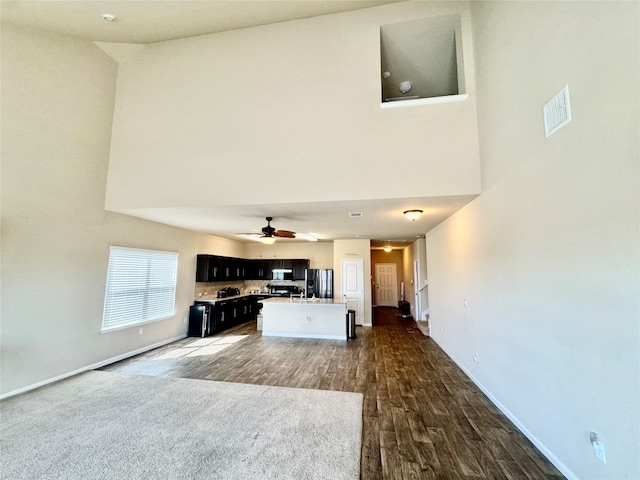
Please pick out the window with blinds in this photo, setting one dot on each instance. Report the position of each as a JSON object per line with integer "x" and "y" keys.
{"x": 141, "y": 287}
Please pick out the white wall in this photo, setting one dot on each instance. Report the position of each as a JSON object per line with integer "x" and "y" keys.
{"x": 547, "y": 256}
{"x": 353, "y": 249}
{"x": 415, "y": 251}
{"x": 320, "y": 254}
{"x": 292, "y": 106}
{"x": 57, "y": 105}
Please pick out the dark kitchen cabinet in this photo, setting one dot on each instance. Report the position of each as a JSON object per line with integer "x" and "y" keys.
{"x": 202, "y": 268}
{"x": 220, "y": 316}
{"x": 208, "y": 318}
{"x": 216, "y": 268}
{"x": 250, "y": 307}
{"x": 235, "y": 310}
{"x": 281, "y": 264}
{"x": 299, "y": 267}
{"x": 226, "y": 268}
{"x": 241, "y": 267}
{"x": 233, "y": 268}
{"x": 261, "y": 269}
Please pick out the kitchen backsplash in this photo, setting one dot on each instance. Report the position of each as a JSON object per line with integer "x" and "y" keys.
{"x": 245, "y": 286}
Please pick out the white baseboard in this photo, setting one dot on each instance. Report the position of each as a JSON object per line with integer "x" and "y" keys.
{"x": 303, "y": 335}
{"x": 90, "y": 367}
{"x": 539, "y": 445}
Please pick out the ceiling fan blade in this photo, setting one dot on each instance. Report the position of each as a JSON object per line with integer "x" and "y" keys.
{"x": 285, "y": 234}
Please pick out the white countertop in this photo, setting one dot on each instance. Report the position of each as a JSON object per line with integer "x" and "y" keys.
{"x": 304, "y": 301}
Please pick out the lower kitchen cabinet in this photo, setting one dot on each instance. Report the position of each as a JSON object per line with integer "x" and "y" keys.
{"x": 206, "y": 318}
{"x": 221, "y": 314}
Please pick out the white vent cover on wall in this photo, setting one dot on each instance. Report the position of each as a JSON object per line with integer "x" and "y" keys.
{"x": 557, "y": 112}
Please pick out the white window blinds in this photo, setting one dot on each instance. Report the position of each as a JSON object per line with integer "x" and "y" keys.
{"x": 141, "y": 287}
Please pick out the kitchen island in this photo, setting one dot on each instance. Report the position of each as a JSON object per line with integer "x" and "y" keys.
{"x": 304, "y": 318}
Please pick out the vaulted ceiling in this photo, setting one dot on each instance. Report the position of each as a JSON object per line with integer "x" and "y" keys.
{"x": 157, "y": 21}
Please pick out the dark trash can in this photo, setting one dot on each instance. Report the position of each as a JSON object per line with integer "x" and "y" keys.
{"x": 351, "y": 324}
{"x": 405, "y": 309}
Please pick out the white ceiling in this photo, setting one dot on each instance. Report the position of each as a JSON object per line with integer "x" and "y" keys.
{"x": 382, "y": 220}
{"x": 142, "y": 21}
{"x": 154, "y": 21}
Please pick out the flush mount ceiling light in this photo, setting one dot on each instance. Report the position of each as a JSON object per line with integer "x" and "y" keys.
{"x": 109, "y": 17}
{"x": 412, "y": 215}
{"x": 387, "y": 249}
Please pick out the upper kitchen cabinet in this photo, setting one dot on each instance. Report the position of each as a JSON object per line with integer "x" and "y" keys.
{"x": 261, "y": 270}
{"x": 216, "y": 272}
{"x": 202, "y": 268}
{"x": 422, "y": 62}
{"x": 299, "y": 267}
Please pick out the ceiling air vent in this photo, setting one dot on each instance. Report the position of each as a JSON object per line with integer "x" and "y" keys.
{"x": 557, "y": 112}
{"x": 355, "y": 214}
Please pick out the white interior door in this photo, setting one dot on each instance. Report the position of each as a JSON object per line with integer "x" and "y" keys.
{"x": 386, "y": 285}
{"x": 353, "y": 286}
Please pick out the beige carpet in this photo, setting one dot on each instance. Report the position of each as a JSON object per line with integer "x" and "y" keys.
{"x": 102, "y": 425}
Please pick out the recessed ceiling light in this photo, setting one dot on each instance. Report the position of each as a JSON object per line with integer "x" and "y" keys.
{"x": 355, "y": 214}
{"x": 361, "y": 235}
{"x": 109, "y": 17}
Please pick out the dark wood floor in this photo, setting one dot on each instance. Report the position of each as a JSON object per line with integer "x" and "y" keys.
{"x": 423, "y": 418}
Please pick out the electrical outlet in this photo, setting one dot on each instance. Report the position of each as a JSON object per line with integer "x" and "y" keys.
{"x": 476, "y": 358}
{"x": 140, "y": 331}
{"x": 464, "y": 301}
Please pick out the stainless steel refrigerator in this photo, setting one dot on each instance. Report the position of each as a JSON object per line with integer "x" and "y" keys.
{"x": 319, "y": 283}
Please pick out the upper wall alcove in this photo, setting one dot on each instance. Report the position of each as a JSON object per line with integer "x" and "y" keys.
{"x": 422, "y": 59}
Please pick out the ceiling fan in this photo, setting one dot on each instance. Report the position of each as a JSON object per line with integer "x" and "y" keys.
{"x": 269, "y": 233}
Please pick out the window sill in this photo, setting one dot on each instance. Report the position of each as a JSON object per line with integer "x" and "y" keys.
{"x": 136, "y": 324}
